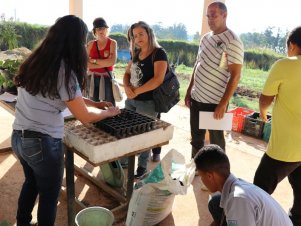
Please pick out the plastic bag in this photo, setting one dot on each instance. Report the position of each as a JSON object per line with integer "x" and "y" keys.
{"x": 113, "y": 174}
{"x": 117, "y": 92}
{"x": 153, "y": 196}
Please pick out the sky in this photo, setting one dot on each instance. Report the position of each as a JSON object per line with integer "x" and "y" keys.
{"x": 243, "y": 15}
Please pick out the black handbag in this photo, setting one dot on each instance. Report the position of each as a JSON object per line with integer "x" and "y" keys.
{"x": 167, "y": 94}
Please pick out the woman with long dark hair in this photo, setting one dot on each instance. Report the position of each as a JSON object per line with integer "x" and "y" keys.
{"x": 50, "y": 80}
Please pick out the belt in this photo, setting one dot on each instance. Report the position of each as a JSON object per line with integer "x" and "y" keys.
{"x": 95, "y": 73}
{"x": 30, "y": 134}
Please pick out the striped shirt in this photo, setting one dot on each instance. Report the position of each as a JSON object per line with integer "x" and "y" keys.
{"x": 210, "y": 77}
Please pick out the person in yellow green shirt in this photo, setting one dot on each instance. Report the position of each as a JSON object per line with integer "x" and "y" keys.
{"x": 283, "y": 156}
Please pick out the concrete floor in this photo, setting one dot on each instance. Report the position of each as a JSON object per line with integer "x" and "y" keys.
{"x": 191, "y": 209}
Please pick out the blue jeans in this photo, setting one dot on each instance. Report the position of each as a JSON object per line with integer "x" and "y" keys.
{"x": 198, "y": 135}
{"x": 216, "y": 211}
{"x": 42, "y": 158}
{"x": 145, "y": 107}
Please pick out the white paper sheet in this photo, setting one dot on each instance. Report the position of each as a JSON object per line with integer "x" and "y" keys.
{"x": 206, "y": 121}
{"x": 8, "y": 97}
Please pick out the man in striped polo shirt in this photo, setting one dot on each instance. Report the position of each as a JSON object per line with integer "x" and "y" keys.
{"x": 215, "y": 76}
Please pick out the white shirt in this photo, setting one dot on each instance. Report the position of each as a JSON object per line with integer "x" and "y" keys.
{"x": 245, "y": 204}
{"x": 210, "y": 78}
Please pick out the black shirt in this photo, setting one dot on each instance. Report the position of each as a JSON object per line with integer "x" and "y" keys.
{"x": 143, "y": 70}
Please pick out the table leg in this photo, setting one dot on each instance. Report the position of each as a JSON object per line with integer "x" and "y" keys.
{"x": 69, "y": 163}
{"x": 131, "y": 171}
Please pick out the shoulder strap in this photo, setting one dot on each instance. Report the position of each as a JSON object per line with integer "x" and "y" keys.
{"x": 97, "y": 50}
{"x": 101, "y": 58}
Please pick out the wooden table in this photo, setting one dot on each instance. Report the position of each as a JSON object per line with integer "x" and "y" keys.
{"x": 7, "y": 116}
{"x": 107, "y": 150}
{"x": 111, "y": 149}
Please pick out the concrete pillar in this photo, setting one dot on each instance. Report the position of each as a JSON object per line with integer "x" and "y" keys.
{"x": 76, "y": 8}
{"x": 205, "y": 27}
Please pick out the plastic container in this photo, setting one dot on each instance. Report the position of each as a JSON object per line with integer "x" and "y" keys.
{"x": 113, "y": 173}
{"x": 267, "y": 131}
{"x": 253, "y": 125}
{"x": 126, "y": 124}
{"x": 239, "y": 115}
{"x": 94, "y": 216}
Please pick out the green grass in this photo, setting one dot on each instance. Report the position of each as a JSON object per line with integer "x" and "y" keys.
{"x": 253, "y": 79}
{"x": 245, "y": 102}
{"x": 182, "y": 69}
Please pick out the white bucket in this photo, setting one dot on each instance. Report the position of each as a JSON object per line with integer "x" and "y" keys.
{"x": 94, "y": 216}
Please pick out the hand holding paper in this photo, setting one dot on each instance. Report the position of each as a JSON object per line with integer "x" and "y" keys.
{"x": 206, "y": 121}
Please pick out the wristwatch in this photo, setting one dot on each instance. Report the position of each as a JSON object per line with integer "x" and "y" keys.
{"x": 94, "y": 61}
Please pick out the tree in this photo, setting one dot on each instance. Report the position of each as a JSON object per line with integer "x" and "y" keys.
{"x": 176, "y": 31}
{"x": 119, "y": 28}
{"x": 158, "y": 30}
{"x": 196, "y": 37}
{"x": 271, "y": 38}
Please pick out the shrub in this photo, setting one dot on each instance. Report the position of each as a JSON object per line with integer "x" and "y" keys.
{"x": 8, "y": 35}
{"x": 30, "y": 35}
{"x": 260, "y": 58}
{"x": 8, "y": 68}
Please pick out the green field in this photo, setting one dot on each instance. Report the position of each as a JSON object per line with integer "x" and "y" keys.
{"x": 253, "y": 79}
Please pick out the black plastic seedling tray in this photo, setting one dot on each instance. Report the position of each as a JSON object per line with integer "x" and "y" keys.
{"x": 127, "y": 123}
